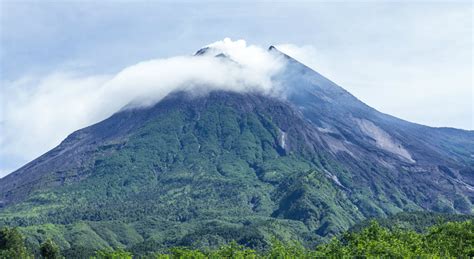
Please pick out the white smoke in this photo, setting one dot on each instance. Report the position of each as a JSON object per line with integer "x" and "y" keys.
{"x": 37, "y": 113}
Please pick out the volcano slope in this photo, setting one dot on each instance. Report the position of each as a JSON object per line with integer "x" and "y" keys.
{"x": 203, "y": 169}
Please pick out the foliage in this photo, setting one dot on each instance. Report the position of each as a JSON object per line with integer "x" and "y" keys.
{"x": 49, "y": 250}
{"x": 112, "y": 254}
{"x": 232, "y": 250}
{"x": 12, "y": 244}
{"x": 418, "y": 221}
{"x": 451, "y": 239}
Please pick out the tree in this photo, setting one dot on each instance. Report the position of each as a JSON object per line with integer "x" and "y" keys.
{"x": 113, "y": 254}
{"x": 333, "y": 249}
{"x": 12, "y": 244}
{"x": 49, "y": 250}
{"x": 453, "y": 239}
{"x": 289, "y": 250}
{"x": 179, "y": 252}
{"x": 233, "y": 250}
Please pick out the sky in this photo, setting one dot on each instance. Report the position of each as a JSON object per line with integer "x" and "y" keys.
{"x": 409, "y": 59}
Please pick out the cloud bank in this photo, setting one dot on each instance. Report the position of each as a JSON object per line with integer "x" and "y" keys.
{"x": 39, "y": 112}
{"x": 437, "y": 93}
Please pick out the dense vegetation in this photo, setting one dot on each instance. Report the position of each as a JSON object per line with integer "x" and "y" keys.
{"x": 450, "y": 239}
{"x": 180, "y": 180}
{"x": 201, "y": 173}
{"x": 418, "y": 221}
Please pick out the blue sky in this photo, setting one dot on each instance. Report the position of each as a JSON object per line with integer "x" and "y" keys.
{"x": 411, "y": 60}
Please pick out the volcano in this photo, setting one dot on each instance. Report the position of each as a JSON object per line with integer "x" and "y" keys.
{"x": 203, "y": 169}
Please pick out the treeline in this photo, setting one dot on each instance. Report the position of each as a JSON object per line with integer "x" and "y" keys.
{"x": 451, "y": 239}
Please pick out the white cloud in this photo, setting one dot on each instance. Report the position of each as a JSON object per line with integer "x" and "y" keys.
{"x": 40, "y": 112}
{"x": 437, "y": 93}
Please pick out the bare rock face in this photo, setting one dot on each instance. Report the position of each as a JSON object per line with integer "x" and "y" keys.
{"x": 383, "y": 140}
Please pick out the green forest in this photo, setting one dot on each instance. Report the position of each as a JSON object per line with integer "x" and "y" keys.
{"x": 371, "y": 239}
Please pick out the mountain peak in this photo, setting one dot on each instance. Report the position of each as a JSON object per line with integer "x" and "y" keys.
{"x": 201, "y": 51}
{"x": 211, "y": 51}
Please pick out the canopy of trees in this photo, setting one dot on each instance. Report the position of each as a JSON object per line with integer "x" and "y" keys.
{"x": 12, "y": 244}
{"x": 451, "y": 239}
